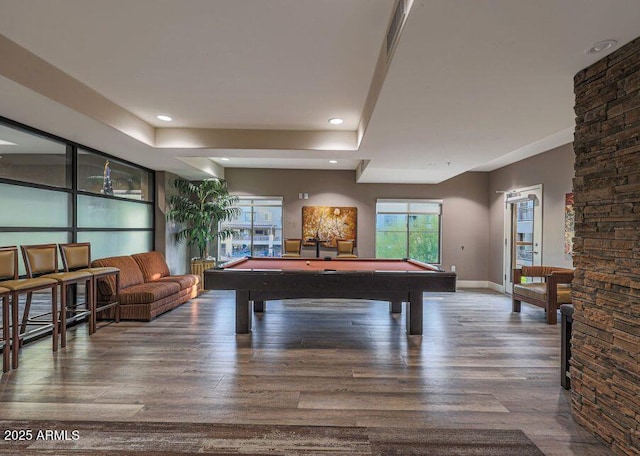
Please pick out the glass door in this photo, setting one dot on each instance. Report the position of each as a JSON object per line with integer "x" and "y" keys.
{"x": 522, "y": 214}
{"x": 523, "y": 231}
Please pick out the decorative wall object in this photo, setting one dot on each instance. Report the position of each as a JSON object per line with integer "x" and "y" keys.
{"x": 569, "y": 223}
{"x": 328, "y": 223}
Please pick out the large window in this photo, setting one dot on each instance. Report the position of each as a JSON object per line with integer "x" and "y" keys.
{"x": 29, "y": 157}
{"x": 258, "y": 229}
{"x": 109, "y": 176}
{"x": 408, "y": 229}
{"x": 110, "y": 203}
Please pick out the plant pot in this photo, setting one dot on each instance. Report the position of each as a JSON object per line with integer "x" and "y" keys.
{"x": 198, "y": 267}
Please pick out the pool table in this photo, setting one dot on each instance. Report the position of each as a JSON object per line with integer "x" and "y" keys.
{"x": 262, "y": 279}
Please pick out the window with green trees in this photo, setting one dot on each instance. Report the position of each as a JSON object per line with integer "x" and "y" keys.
{"x": 408, "y": 229}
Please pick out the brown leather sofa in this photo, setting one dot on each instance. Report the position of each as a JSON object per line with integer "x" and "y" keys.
{"x": 147, "y": 288}
{"x": 554, "y": 290}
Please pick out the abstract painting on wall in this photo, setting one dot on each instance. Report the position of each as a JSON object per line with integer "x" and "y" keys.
{"x": 569, "y": 223}
{"x": 328, "y": 223}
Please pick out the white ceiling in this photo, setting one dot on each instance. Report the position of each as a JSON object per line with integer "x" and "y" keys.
{"x": 472, "y": 85}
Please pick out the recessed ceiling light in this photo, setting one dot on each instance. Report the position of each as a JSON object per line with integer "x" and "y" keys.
{"x": 601, "y": 46}
{"x": 335, "y": 121}
{"x": 164, "y": 117}
{"x": 333, "y": 161}
{"x": 224, "y": 159}
{"x": 6, "y": 143}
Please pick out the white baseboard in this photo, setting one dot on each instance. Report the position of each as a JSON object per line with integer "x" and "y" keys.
{"x": 496, "y": 287}
{"x": 480, "y": 284}
{"x": 472, "y": 284}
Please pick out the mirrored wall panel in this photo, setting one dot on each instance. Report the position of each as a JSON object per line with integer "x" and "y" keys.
{"x": 27, "y": 157}
{"x": 108, "y": 176}
{"x": 115, "y": 243}
{"x": 33, "y": 207}
{"x": 96, "y": 212}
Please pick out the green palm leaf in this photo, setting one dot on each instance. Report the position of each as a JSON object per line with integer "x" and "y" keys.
{"x": 200, "y": 207}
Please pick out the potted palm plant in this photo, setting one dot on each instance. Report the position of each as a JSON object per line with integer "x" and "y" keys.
{"x": 200, "y": 207}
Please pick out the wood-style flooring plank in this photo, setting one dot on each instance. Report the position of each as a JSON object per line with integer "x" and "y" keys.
{"x": 330, "y": 362}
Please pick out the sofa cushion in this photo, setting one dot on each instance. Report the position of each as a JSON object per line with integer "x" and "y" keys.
{"x": 146, "y": 293}
{"x": 130, "y": 273}
{"x": 531, "y": 290}
{"x": 185, "y": 281}
{"x": 539, "y": 291}
{"x": 152, "y": 265}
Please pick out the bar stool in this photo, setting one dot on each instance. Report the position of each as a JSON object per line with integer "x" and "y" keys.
{"x": 6, "y": 344}
{"x": 42, "y": 261}
{"x": 17, "y": 287}
{"x": 77, "y": 257}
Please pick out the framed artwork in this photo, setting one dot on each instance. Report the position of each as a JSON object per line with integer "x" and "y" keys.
{"x": 569, "y": 223}
{"x": 327, "y": 223}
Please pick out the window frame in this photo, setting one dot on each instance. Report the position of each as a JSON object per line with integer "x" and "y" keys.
{"x": 253, "y": 202}
{"x": 408, "y": 212}
{"x": 71, "y": 187}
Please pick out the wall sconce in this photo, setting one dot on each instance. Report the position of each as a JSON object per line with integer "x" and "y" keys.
{"x": 303, "y": 196}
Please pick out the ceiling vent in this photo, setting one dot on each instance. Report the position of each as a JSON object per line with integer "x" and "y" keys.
{"x": 394, "y": 27}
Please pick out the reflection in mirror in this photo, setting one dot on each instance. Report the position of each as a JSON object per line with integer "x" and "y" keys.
{"x": 27, "y": 157}
{"x": 108, "y": 176}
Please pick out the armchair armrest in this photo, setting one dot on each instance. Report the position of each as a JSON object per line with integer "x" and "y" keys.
{"x": 517, "y": 276}
{"x": 553, "y": 280}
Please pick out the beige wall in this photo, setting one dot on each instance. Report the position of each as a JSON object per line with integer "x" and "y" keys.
{"x": 552, "y": 169}
{"x": 473, "y": 213}
{"x": 465, "y": 216}
{"x": 177, "y": 255}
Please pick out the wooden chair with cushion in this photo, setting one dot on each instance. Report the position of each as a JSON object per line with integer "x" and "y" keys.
{"x": 16, "y": 286}
{"x": 554, "y": 290}
{"x": 292, "y": 248}
{"x": 6, "y": 343}
{"x": 42, "y": 261}
{"x": 77, "y": 257}
{"x": 345, "y": 248}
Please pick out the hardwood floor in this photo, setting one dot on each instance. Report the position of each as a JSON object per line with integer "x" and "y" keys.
{"x": 312, "y": 362}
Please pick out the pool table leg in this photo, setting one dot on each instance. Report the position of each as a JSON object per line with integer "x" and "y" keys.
{"x": 395, "y": 307}
{"x": 243, "y": 312}
{"x": 258, "y": 306}
{"x": 414, "y": 313}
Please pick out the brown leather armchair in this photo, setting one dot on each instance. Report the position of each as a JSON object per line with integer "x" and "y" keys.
{"x": 550, "y": 293}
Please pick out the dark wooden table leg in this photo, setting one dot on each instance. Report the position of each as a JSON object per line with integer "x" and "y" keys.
{"x": 258, "y": 306}
{"x": 395, "y": 307}
{"x": 243, "y": 312}
{"x": 414, "y": 313}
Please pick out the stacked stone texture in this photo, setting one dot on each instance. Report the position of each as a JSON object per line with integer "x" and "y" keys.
{"x": 606, "y": 332}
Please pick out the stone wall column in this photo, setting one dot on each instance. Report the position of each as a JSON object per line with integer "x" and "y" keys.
{"x": 605, "y": 372}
